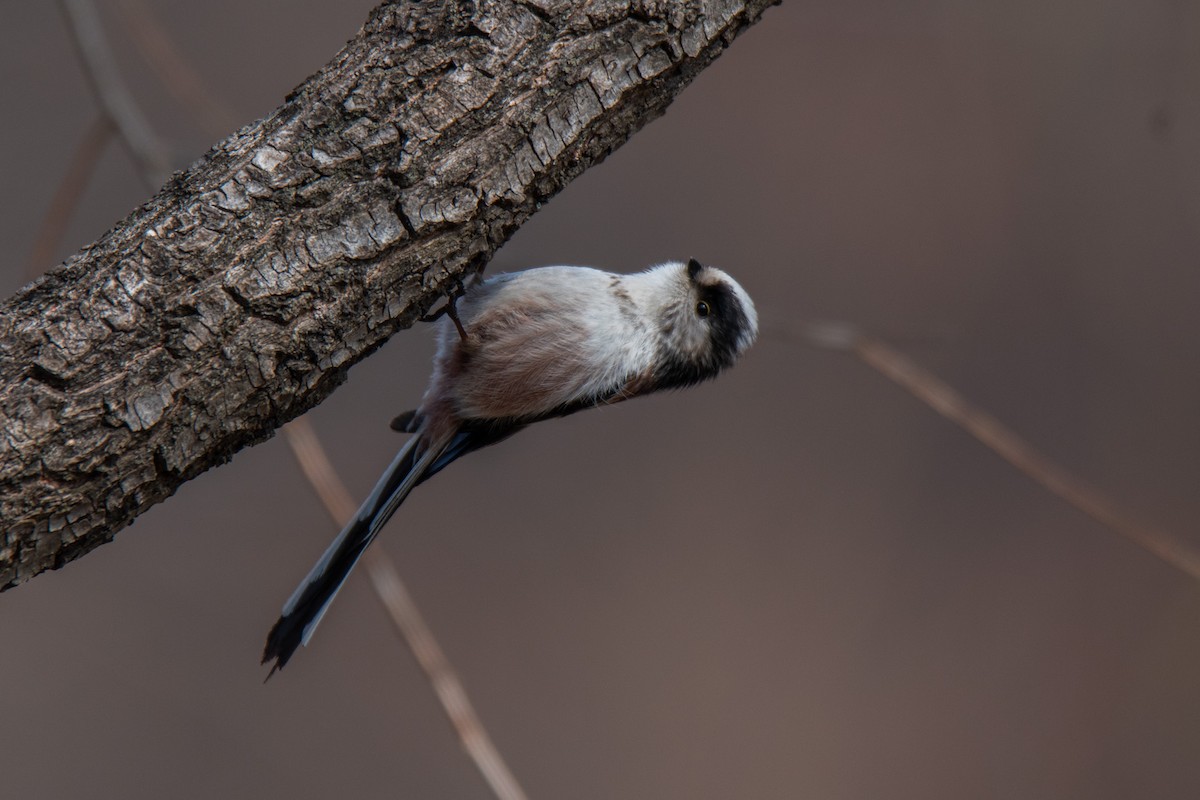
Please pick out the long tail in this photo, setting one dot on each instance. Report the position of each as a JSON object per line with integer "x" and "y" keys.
{"x": 304, "y": 609}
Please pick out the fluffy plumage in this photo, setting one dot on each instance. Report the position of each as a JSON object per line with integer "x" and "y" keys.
{"x": 541, "y": 343}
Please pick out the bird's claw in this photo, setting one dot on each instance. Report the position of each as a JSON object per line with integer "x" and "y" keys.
{"x": 450, "y": 309}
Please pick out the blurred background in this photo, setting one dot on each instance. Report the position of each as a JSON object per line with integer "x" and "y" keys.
{"x": 810, "y": 585}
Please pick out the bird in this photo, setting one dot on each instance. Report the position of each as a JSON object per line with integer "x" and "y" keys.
{"x": 527, "y": 346}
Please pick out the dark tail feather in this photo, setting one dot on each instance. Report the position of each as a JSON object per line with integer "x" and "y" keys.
{"x": 303, "y": 611}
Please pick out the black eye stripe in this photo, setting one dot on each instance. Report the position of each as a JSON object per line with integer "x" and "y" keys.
{"x": 717, "y": 296}
{"x": 725, "y": 326}
{"x": 726, "y": 321}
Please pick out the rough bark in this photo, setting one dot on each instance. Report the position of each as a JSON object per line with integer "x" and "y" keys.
{"x": 238, "y": 296}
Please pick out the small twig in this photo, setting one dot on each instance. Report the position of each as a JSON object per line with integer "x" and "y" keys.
{"x": 449, "y": 689}
{"x": 310, "y": 455}
{"x": 1004, "y": 442}
{"x": 114, "y": 97}
{"x": 173, "y": 71}
{"x": 67, "y": 195}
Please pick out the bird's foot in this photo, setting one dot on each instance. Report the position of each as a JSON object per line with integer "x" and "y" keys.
{"x": 450, "y": 309}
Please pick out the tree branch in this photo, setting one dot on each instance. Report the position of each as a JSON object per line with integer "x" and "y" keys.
{"x": 237, "y": 297}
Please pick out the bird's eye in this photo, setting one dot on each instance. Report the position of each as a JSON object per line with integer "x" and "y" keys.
{"x": 702, "y": 309}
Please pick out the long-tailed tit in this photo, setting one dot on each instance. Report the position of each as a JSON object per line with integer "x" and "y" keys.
{"x": 525, "y": 347}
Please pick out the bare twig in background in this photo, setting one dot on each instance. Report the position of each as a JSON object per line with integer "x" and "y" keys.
{"x": 176, "y": 73}
{"x": 104, "y": 77}
{"x": 1002, "y": 441}
{"x": 70, "y": 190}
{"x": 302, "y": 439}
{"x": 407, "y": 619}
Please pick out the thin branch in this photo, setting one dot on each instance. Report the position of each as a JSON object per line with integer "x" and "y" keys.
{"x": 104, "y": 76}
{"x": 319, "y": 471}
{"x": 1004, "y": 442}
{"x": 389, "y": 588}
{"x": 69, "y": 192}
{"x": 175, "y": 73}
